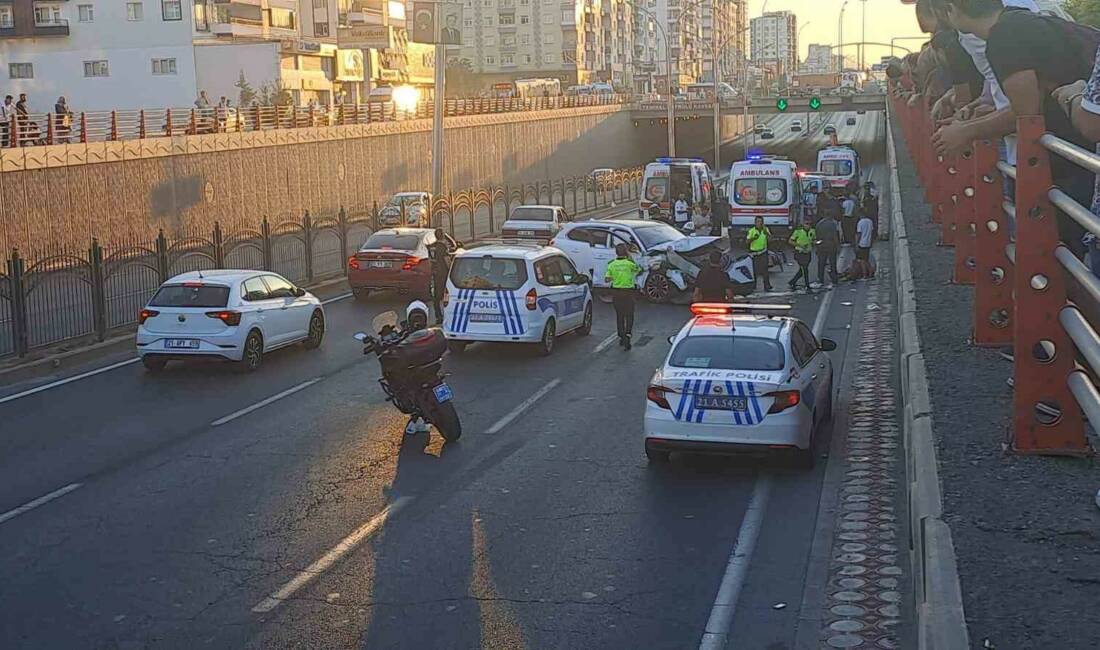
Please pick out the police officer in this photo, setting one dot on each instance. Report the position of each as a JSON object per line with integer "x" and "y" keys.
{"x": 802, "y": 240}
{"x": 621, "y": 273}
{"x": 757, "y": 239}
{"x": 439, "y": 252}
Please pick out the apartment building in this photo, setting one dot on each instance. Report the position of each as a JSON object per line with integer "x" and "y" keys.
{"x": 775, "y": 42}
{"x": 819, "y": 60}
{"x": 724, "y": 20}
{"x": 618, "y": 43}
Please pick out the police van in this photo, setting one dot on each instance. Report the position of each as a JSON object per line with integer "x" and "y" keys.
{"x": 667, "y": 179}
{"x": 765, "y": 186}
{"x": 515, "y": 292}
{"x": 840, "y": 165}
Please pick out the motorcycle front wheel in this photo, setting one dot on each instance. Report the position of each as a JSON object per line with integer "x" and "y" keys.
{"x": 445, "y": 418}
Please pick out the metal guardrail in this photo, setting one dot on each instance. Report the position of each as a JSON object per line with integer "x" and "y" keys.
{"x": 56, "y": 295}
{"x": 105, "y": 126}
{"x": 1027, "y": 292}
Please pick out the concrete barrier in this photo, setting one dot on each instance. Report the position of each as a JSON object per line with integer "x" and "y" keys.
{"x": 941, "y": 624}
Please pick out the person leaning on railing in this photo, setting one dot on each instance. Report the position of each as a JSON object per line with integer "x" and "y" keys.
{"x": 1081, "y": 102}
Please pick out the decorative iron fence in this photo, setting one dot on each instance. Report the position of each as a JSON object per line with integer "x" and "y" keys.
{"x": 53, "y": 296}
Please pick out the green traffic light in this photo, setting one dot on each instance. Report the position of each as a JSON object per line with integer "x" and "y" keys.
{"x": 781, "y": 104}
{"x": 815, "y": 103}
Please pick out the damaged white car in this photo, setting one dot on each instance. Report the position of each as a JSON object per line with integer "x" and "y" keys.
{"x": 671, "y": 259}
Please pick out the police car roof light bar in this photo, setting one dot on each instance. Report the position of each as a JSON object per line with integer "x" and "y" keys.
{"x": 713, "y": 308}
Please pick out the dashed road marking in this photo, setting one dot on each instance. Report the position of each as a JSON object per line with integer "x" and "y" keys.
{"x": 262, "y": 403}
{"x": 604, "y": 344}
{"x": 523, "y": 406}
{"x": 45, "y": 498}
{"x": 343, "y": 296}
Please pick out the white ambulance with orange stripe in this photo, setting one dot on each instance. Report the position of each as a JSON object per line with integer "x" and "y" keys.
{"x": 765, "y": 186}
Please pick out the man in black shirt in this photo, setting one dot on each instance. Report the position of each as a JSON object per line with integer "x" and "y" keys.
{"x": 712, "y": 283}
{"x": 439, "y": 252}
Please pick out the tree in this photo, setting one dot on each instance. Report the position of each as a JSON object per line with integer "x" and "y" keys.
{"x": 247, "y": 94}
{"x": 274, "y": 94}
{"x": 461, "y": 78}
{"x": 1084, "y": 11}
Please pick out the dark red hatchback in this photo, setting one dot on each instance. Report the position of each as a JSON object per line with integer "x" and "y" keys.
{"x": 394, "y": 258}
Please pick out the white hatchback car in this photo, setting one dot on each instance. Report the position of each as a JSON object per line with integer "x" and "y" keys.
{"x": 515, "y": 293}
{"x": 235, "y": 315}
{"x": 736, "y": 380}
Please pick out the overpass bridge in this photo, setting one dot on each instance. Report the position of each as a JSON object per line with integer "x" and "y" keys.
{"x": 761, "y": 106}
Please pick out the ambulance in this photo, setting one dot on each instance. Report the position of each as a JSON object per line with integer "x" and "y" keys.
{"x": 840, "y": 165}
{"x": 667, "y": 179}
{"x": 765, "y": 186}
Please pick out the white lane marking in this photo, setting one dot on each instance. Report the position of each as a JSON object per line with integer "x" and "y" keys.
{"x": 262, "y": 403}
{"x": 67, "y": 380}
{"x": 604, "y": 344}
{"x": 717, "y": 631}
{"x": 343, "y": 296}
{"x": 326, "y": 561}
{"x": 725, "y": 604}
{"x": 46, "y": 498}
{"x": 523, "y": 406}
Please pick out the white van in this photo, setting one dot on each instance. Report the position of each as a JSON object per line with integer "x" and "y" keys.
{"x": 666, "y": 179}
{"x": 840, "y": 166}
{"x": 766, "y": 187}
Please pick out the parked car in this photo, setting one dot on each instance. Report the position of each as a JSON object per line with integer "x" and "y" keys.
{"x": 394, "y": 258}
{"x": 231, "y": 315}
{"x": 413, "y": 205}
{"x": 534, "y": 222}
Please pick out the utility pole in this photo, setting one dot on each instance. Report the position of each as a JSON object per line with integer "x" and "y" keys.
{"x": 863, "y": 37}
{"x": 437, "y": 121}
{"x": 714, "y": 75}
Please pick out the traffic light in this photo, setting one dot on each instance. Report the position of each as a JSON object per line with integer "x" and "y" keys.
{"x": 815, "y": 103}
{"x": 781, "y": 104}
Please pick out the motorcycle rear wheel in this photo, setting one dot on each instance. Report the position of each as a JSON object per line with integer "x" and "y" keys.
{"x": 445, "y": 418}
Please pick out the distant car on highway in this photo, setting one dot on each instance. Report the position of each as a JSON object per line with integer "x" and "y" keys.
{"x": 540, "y": 222}
{"x": 231, "y": 315}
{"x": 759, "y": 128}
{"x": 736, "y": 380}
{"x": 851, "y": 121}
{"x": 413, "y": 205}
{"x": 829, "y": 129}
{"x": 796, "y": 126}
{"x": 394, "y": 259}
{"x": 861, "y": 112}
{"x": 767, "y": 134}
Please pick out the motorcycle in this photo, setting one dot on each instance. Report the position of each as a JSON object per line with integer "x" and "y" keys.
{"x": 412, "y": 379}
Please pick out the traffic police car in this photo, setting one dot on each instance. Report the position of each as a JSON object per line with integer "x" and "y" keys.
{"x": 515, "y": 293}
{"x": 740, "y": 378}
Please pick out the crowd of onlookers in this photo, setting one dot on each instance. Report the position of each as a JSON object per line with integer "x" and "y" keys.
{"x": 988, "y": 62}
{"x": 19, "y": 129}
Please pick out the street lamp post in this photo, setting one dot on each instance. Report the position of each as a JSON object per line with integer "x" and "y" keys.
{"x": 863, "y": 37}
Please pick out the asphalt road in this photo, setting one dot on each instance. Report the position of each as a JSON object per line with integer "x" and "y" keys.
{"x": 130, "y": 519}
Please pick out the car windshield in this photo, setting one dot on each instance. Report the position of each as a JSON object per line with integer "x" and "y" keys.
{"x": 407, "y": 199}
{"x": 760, "y": 191}
{"x": 656, "y": 234}
{"x": 835, "y": 167}
{"x": 526, "y": 213}
{"x": 191, "y": 295}
{"x": 727, "y": 353}
{"x": 488, "y": 272}
{"x": 392, "y": 240}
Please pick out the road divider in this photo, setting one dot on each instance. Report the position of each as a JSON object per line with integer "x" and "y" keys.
{"x": 523, "y": 406}
{"x": 325, "y": 562}
{"x": 262, "y": 403}
{"x": 45, "y": 498}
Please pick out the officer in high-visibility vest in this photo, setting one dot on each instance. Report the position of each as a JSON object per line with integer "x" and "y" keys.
{"x": 802, "y": 239}
{"x": 757, "y": 239}
{"x": 621, "y": 274}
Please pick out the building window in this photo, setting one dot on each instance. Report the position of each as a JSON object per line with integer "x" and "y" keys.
{"x": 490, "y": 60}
{"x": 320, "y": 4}
{"x": 489, "y": 41}
{"x": 549, "y": 58}
{"x": 281, "y": 18}
{"x": 171, "y": 10}
{"x": 21, "y": 70}
{"x": 527, "y": 58}
{"x": 507, "y": 59}
{"x": 487, "y": 3}
{"x": 47, "y": 15}
{"x": 164, "y": 66}
{"x": 524, "y": 39}
{"x": 547, "y": 38}
{"x": 525, "y": 20}
{"x": 507, "y": 3}
{"x": 549, "y": 20}
{"x": 524, "y": 3}
{"x": 508, "y": 20}
{"x": 135, "y": 11}
{"x": 488, "y": 21}
{"x": 85, "y": 13}
{"x": 508, "y": 39}
{"x": 320, "y": 29}
{"x": 6, "y": 20}
{"x": 468, "y": 22}
{"x": 96, "y": 69}
{"x": 202, "y": 24}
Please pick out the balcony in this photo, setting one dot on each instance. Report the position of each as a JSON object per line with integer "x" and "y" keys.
{"x": 56, "y": 27}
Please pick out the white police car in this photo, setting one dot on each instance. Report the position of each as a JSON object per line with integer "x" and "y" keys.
{"x": 738, "y": 379}
{"x": 515, "y": 293}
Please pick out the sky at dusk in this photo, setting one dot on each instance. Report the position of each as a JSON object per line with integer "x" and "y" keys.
{"x": 885, "y": 19}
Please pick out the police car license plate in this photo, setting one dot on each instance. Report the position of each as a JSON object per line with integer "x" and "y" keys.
{"x": 443, "y": 393}
{"x": 485, "y": 318}
{"x": 181, "y": 344}
{"x": 721, "y": 403}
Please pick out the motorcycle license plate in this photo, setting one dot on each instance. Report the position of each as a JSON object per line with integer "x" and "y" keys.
{"x": 443, "y": 393}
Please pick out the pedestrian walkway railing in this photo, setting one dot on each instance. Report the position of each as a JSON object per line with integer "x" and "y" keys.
{"x": 105, "y": 126}
{"x": 61, "y": 293}
{"x": 1036, "y": 296}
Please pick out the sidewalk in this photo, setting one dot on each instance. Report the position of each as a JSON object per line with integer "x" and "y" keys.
{"x": 1026, "y": 529}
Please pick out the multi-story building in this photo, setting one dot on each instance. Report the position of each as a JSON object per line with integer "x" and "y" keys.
{"x": 775, "y": 42}
{"x": 678, "y": 22}
{"x": 618, "y": 44}
{"x": 723, "y": 20}
{"x": 819, "y": 60}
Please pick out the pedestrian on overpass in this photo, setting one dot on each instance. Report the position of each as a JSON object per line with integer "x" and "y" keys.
{"x": 757, "y": 239}
{"x": 828, "y": 245}
{"x": 802, "y": 240}
{"x": 622, "y": 274}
